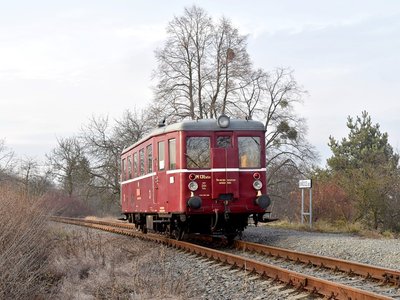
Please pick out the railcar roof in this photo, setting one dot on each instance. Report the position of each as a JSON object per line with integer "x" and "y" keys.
{"x": 202, "y": 125}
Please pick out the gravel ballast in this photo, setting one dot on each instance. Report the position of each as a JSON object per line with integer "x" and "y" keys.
{"x": 380, "y": 252}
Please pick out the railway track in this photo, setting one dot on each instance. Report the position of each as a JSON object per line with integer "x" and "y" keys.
{"x": 368, "y": 271}
{"x": 381, "y": 283}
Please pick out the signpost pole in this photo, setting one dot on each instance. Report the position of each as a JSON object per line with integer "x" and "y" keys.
{"x": 306, "y": 184}
{"x": 310, "y": 209}
{"x": 302, "y": 206}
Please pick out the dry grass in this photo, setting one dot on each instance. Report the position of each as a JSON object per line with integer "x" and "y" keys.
{"x": 38, "y": 263}
{"x": 24, "y": 246}
{"x": 339, "y": 226}
{"x": 95, "y": 265}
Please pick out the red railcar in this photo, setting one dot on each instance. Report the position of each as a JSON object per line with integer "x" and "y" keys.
{"x": 204, "y": 176}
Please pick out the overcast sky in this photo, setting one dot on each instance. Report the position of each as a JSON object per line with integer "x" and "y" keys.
{"x": 63, "y": 61}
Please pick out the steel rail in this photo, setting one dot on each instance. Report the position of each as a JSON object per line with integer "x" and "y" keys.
{"x": 312, "y": 284}
{"x": 369, "y": 271}
{"x": 100, "y": 222}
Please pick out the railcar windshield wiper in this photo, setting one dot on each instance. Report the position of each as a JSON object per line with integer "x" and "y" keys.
{"x": 192, "y": 160}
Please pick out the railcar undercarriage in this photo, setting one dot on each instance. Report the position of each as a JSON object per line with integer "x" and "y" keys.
{"x": 177, "y": 225}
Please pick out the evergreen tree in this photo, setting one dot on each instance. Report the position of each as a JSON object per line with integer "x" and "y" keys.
{"x": 368, "y": 169}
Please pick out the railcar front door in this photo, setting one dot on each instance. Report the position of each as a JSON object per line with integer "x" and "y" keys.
{"x": 160, "y": 179}
{"x": 225, "y": 171}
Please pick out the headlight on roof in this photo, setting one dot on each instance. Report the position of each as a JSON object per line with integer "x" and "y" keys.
{"x": 223, "y": 121}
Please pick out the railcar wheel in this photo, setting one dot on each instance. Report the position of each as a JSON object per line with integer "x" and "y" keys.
{"x": 178, "y": 233}
{"x": 230, "y": 237}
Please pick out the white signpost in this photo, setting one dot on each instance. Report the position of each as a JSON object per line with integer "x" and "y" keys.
{"x": 306, "y": 184}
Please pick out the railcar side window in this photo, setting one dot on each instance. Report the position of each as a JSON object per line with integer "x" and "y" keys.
{"x": 172, "y": 154}
{"x": 141, "y": 158}
{"x": 129, "y": 167}
{"x": 198, "y": 152}
{"x": 249, "y": 152}
{"x": 135, "y": 165}
{"x": 123, "y": 170}
{"x": 161, "y": 156}
{"x": 149, "y": 158}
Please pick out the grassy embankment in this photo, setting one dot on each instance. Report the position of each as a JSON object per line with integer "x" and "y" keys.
{"x": 24, "y": 246}
{"x": 45, "y": 260}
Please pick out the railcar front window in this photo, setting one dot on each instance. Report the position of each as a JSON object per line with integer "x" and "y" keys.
{"x": 197, "y": 152}
{"x": 249, "y": 152}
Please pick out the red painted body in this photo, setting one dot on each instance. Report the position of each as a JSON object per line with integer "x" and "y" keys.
{"x": 155, "y": 179}
{"x": 167, "y": 191}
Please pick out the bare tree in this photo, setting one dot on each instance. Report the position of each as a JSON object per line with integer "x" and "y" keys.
{"x": 6, "y": 159}
{"x": 181, "y": 63}
{"x": 34, "y": 177}
{"x": 250, "y": 96}
{"x": 104, "y": 143}
{"x": 132, "y": 126}
{"x": 287, "y": 146}
{"x": 103, "y": 154}
{"x": 272, "y": 97}
{"x": 28, "y": 169}
{"x": 230, "y": 67}
{"x": 70, "y": 166}
{"x": 200, "y": 66}
{"x": 204, "y": 70}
